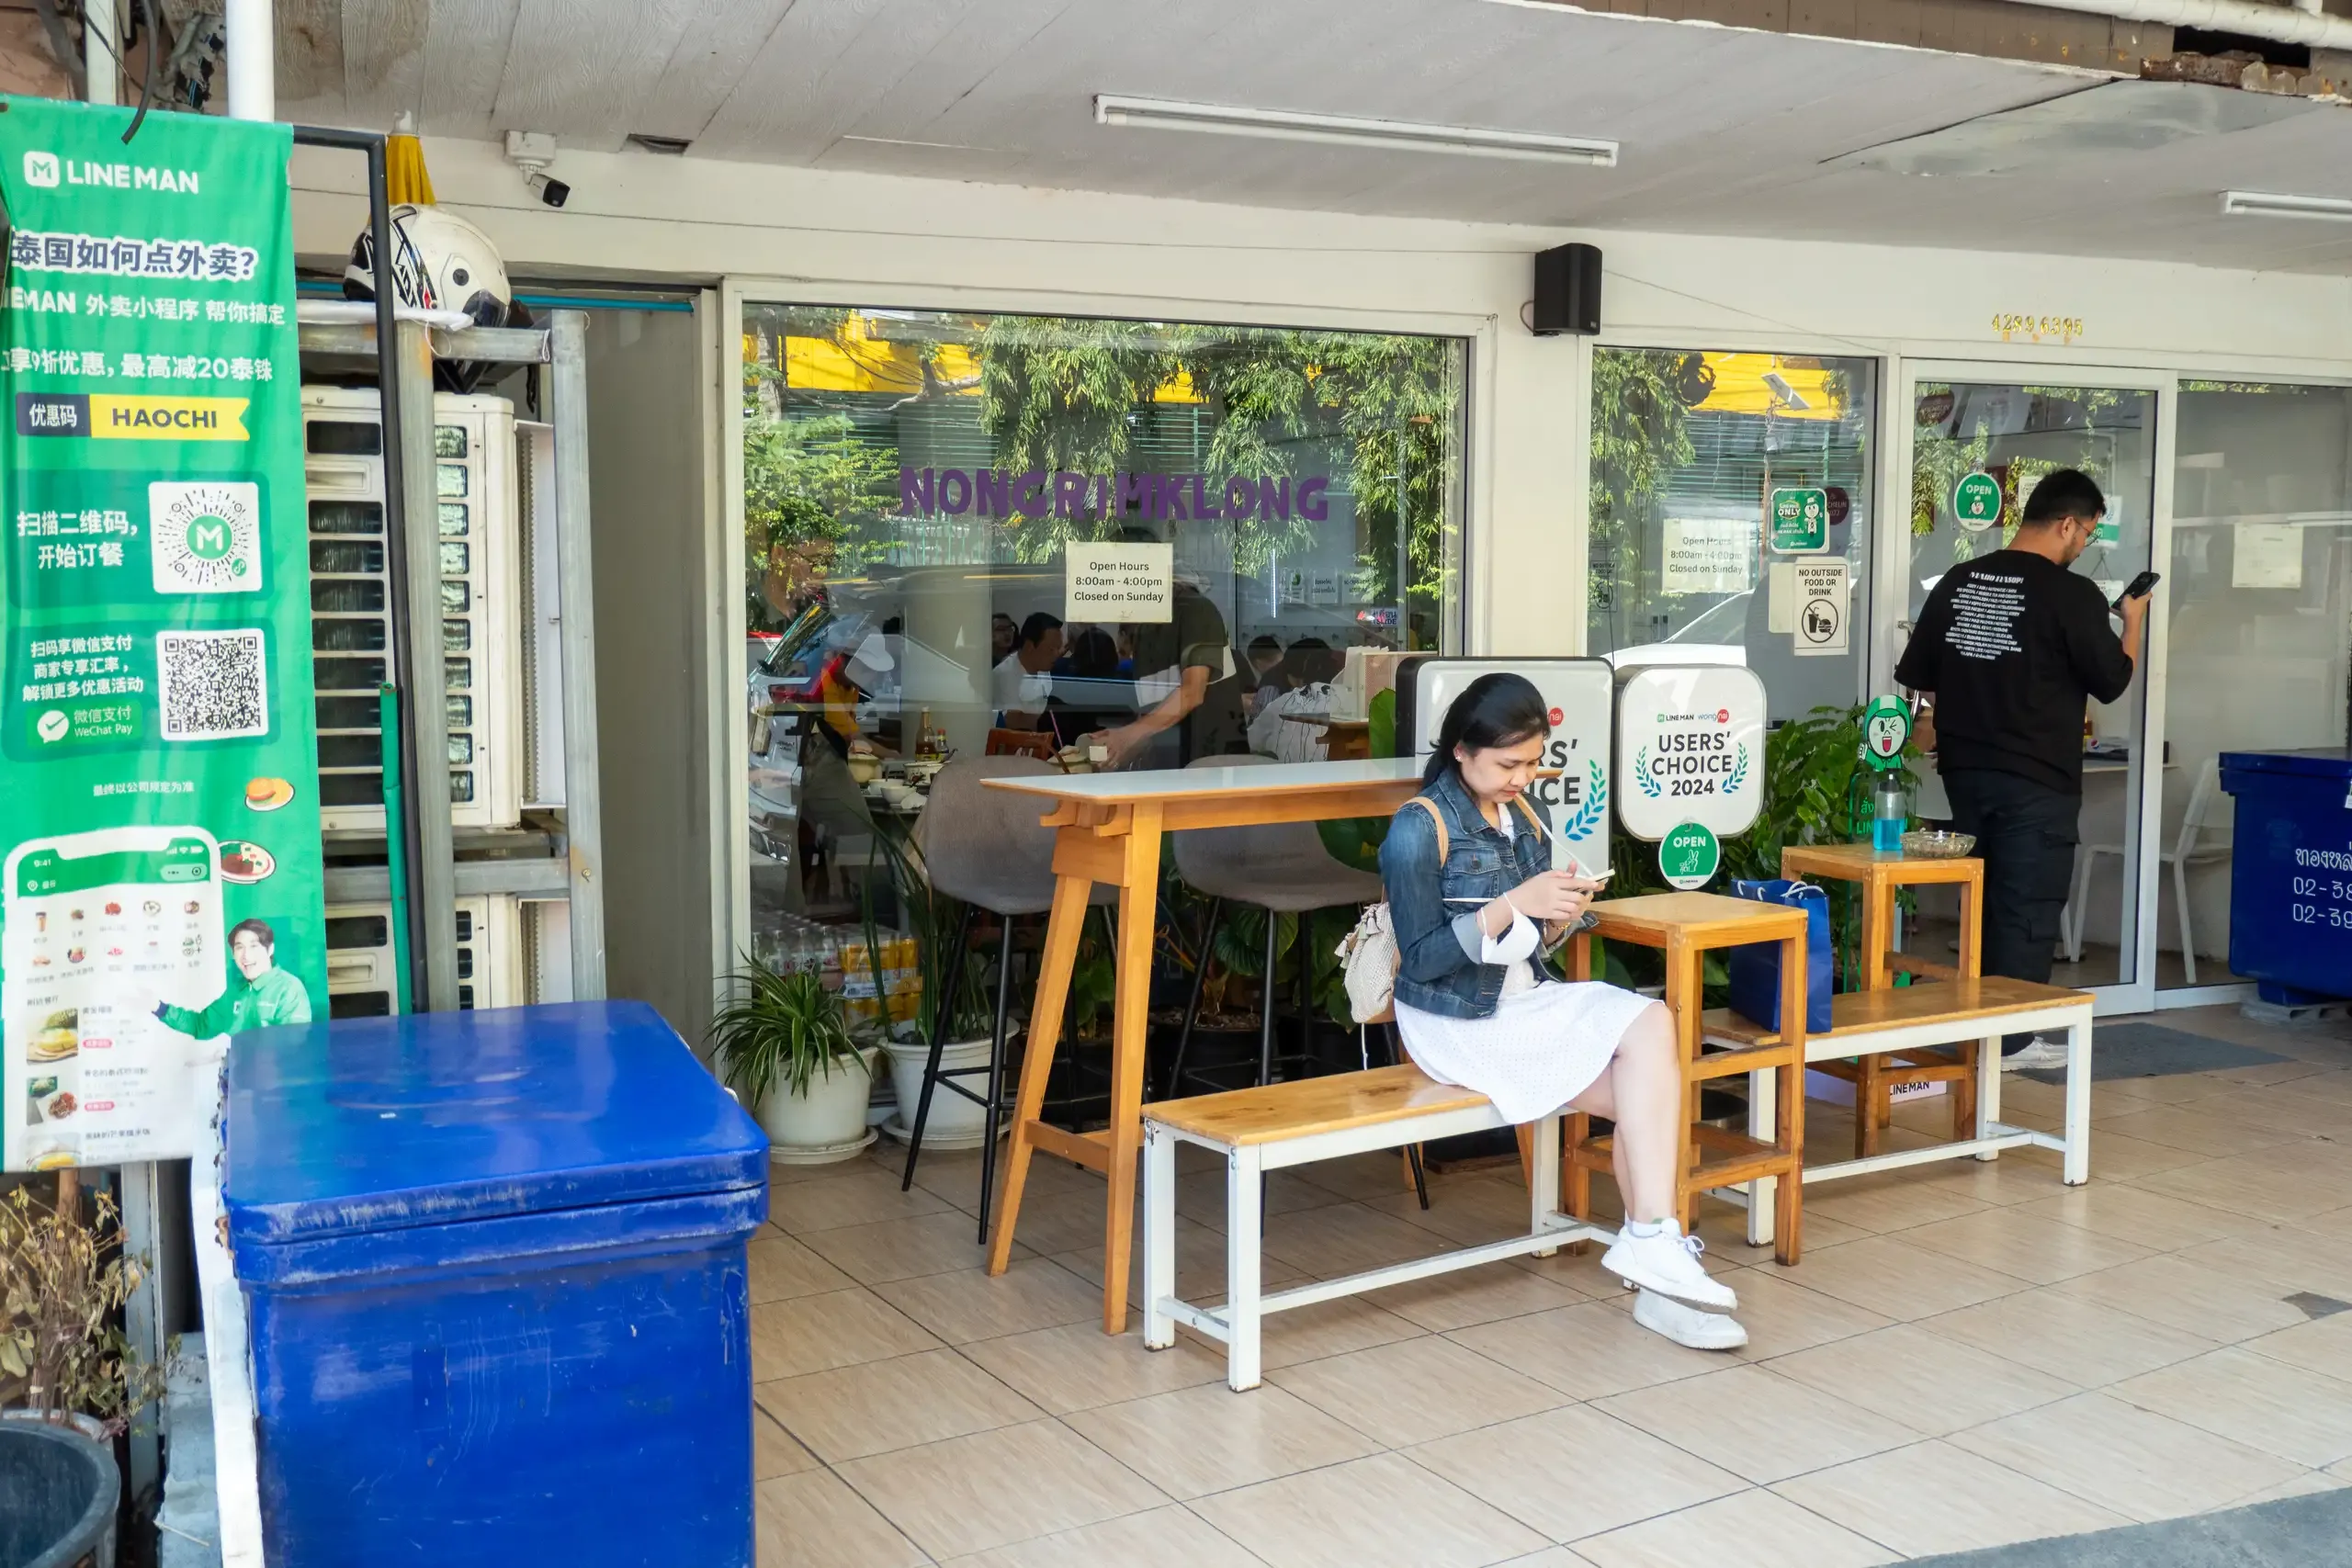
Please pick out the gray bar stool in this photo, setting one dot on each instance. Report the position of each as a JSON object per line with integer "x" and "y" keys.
{"x": 1282, "y": 869}
{"x": 985, "y": 848}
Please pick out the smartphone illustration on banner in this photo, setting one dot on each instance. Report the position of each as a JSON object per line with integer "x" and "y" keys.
{"x": 101, "y": 930}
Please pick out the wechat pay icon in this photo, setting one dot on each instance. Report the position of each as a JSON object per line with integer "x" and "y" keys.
{"x": 41, "y": 169}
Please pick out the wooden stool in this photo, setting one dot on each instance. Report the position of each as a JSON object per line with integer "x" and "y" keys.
{"x": 1686, "y": 927}
{"x": 1880, "y": 875}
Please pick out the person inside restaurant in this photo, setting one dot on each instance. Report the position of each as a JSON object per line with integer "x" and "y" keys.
{"x": 1023, "y": 678}
{"x": 1190, "y": 701}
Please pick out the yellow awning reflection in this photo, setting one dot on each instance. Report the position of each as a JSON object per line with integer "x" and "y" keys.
{"x": 1791, "y": 385}
{"x": 857, "y": 359}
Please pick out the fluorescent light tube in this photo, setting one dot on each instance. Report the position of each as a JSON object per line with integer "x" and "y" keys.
{"x": 2256, "y": 204}
{"x": 1288, "y": 125}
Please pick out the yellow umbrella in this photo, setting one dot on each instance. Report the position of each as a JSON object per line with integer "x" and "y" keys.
{"x": 405, "y": 181}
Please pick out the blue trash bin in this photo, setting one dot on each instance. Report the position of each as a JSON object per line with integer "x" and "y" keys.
{"x": 494, "y": 1265}
{"x": 2291, "y": 871}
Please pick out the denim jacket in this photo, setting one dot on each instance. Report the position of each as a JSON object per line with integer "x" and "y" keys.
{"x": 1430, "y": 906}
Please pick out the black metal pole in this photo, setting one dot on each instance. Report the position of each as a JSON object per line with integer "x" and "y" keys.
{"x": 380, "y": 228}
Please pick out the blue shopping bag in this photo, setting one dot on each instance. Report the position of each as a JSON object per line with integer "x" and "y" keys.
{"x": 1756, "y": 968}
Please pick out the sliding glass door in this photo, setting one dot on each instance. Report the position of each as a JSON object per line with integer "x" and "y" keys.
{"x": 2257, "y": 618}
{"x": 1980, "y": 439}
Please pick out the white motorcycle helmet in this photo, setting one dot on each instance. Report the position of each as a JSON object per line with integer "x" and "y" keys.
{"x": 440, "y": 262}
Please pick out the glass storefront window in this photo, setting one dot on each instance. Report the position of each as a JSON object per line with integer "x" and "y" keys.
{"x": 2259, "y": 627}
{"x": 1115, "y": 543}
{"x": 1691, "y": 451}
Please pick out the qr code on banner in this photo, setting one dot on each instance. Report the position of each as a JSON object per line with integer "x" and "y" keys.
{"x": 214, "y": 685}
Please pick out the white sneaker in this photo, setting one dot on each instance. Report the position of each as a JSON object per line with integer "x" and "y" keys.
{"x": 2047, "y": 1053}
{"x": 1667, "y": 1263}
{"x": 1688, "y": 1326}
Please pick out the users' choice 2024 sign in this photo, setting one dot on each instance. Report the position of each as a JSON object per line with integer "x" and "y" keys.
{"x": 160, "y": 880}
{"x": 1690, "y": 748}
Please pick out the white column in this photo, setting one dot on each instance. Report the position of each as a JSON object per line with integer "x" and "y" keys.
{"x": 251, "y": 28}
{"x": 100, "y": 39}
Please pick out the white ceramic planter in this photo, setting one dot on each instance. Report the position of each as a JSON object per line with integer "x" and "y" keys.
{"x": 828, "y": 1121}
{"x": 955, "y": 1121}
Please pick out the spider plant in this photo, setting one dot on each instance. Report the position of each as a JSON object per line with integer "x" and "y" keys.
{"x": 781, "y": 1029}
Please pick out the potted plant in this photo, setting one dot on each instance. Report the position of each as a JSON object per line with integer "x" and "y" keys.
{"x": 936, "y": 923}
{"x": 69, "y": 1382}
{"x": 784, "y": 1045}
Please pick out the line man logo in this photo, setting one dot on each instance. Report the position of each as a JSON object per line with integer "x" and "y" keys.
{"x": 41, "y": 169}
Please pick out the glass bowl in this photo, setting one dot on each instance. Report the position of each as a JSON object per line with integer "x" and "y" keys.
{"x": 1935, "y": 843}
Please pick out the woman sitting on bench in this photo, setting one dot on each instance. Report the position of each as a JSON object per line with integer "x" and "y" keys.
{"x": 1468, "y": 869}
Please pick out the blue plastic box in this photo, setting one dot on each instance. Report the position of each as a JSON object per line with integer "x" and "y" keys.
{"x": 494, "y": 1264}
{"x": 2291, "y": 871}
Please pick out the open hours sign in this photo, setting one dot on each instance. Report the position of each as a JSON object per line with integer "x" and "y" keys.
{"x": 1690, "y": 748}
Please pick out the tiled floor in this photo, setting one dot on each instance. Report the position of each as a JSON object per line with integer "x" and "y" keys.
{"x": 1968, "y": 1355}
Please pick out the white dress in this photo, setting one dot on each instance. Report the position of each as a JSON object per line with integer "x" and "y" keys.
{"x": 1546, "y": 1043}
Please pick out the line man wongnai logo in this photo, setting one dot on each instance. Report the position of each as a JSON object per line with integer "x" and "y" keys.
{"x": 41, "y": 169}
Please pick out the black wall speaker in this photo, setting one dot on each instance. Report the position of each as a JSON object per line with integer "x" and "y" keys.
{"x": 1567, "y": 290}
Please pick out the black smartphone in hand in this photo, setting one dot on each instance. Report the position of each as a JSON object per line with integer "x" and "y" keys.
{"x": 2139, "y": 588}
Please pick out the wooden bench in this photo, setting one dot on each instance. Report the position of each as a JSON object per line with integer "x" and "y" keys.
{"x": 1259, "y": 1130}
{"x": 1917, "y": 1024}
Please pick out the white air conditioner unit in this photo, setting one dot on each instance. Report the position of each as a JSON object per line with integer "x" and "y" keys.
{"x": 496, "y": 965}
{"x": 483, "y": 612}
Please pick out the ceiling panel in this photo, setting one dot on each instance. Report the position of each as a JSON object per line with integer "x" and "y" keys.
{"x": 466, "y": 50}
{"x": 1723, "y": 130}
{"x": 584, "y": 69}
{"x": 709, "y": 63}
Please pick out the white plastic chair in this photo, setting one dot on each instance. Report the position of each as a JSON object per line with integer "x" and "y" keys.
{"x": 2186, "y": 852}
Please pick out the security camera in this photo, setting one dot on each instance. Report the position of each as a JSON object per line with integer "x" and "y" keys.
{"x": 532, "y": 151}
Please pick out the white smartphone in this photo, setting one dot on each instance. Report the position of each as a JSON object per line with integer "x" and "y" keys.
{"x": 1576, "y": 867}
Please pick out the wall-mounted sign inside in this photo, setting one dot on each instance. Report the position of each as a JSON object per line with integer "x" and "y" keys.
{"x": 1690, "y": 748}
{"x": 1577, "y": 691}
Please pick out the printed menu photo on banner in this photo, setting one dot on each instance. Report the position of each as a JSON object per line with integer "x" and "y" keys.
{"x": 158, "y": 760}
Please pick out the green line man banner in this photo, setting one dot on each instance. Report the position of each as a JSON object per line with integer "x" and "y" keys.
{"x": 158, "y": 761}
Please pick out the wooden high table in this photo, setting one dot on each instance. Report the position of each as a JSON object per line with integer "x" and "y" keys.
{"x": 1880, "y": 874}
{"x": 1685, "y": 927}
{"x": 1108, "y": 828}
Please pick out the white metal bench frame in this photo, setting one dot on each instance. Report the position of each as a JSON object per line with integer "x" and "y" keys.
{"x": 1993, "y": 1135}
{"x": 1238, "y": 1324}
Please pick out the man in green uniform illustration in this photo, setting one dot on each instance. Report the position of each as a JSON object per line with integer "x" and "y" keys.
{"x": 260, "y": 995}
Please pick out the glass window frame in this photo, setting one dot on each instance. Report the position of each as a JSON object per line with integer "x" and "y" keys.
{"x": 1872, "y": 491}
{"x": 1457, "y": 617}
